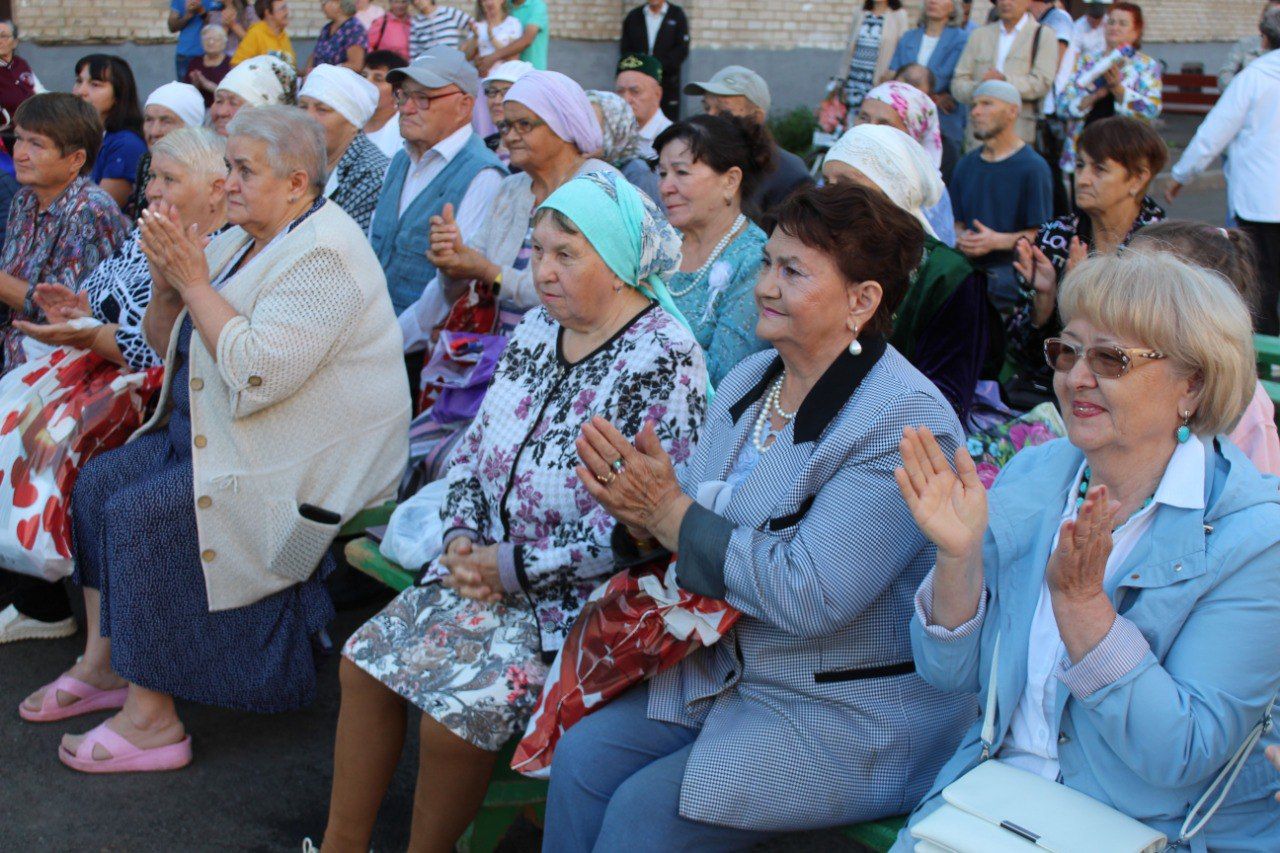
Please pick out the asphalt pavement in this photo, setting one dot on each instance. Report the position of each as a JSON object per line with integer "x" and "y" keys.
{"x": 258, "y": 782}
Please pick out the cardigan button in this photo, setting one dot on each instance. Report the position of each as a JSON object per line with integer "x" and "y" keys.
{"x": 197, "y": 384}
{"x": 1134, "y": 576}
{"x": 200, "y": 441}
{"x": 208, "y": 555}
{"x": 204, "y": 502}
{"x": 255, "y": 381}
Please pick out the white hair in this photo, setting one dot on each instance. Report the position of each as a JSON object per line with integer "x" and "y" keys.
{"x": 196, "y": 148}
{"x": 294, "y": 140}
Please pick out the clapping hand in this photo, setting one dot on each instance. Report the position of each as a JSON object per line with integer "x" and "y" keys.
{"x": 1273, "y": 754}
{"x": 1113, "y": 82}
{"x": 59, "y": 303}
{"x": 1037, "y": 270}
{"x": 1078, "y": 251}
{"x": 949, "y": 505}
{"x": 473, "y": 570}
{"x": 635, "y": 483}
{"x": 58, "y": 334}
{"x": 978, "y": 240}
{"x": 176, "y": 253}
{"x": 1076, "y": 567}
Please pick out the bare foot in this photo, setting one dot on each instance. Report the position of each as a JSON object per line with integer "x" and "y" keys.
{"x": 101, "y": 679}
{"x": 144, "y": 734}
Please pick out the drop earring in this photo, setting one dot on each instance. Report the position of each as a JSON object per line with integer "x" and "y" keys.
{"x": 1184, "y": 431}
{"x": 855, "y": 348}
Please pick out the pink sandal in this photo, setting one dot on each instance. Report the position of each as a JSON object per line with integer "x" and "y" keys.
{"x": 88, "y": 700}
{"x": 125, "y": 757}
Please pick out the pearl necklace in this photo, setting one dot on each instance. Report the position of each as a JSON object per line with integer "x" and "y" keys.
{"x": 772, "y": 405}
{"x": 713, "y": 257}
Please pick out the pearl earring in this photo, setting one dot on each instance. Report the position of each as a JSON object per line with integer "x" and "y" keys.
{"x": 855, "y": 348}
{"x": 1184, "y": 431}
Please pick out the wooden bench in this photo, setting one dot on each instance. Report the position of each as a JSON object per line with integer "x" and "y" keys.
{"x": 1189, "y": 93}
{"x": 1267, "y": 354}
{"x": 510, "y": 794}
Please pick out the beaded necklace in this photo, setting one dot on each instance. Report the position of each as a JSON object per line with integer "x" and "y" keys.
{"x": 1084, "y": 490}
{"x": 711, "y": 258}
{"x": 772, "y": 404}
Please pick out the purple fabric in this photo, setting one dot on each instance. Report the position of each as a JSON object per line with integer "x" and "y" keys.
{"x": 465, "y": 377}
{"x": 563, "y": 105}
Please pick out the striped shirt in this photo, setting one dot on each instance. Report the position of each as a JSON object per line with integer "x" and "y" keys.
{"x": 445, "y": 26}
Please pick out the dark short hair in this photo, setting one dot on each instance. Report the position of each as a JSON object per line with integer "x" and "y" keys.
{"x": 867, "y": 236}
{"x": 723, "y": 142}
{"x": 1131, "y": 142}
{"x": 126, "y": 113}
{"x": 1229, "y": 252}
{"x": 264, "y": 7}
{"x": 868, "y": 5}
{"x": 71, "y": 123}
{"x": 388, "y": 59}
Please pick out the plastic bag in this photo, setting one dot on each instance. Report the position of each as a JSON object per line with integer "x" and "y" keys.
{"x": 634, "y": 626}
{"x": 57, "y": 413}
{"x": 415, "y": 530}
{"x": 459, "y": 373}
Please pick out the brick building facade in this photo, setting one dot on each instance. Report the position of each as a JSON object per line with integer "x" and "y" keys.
{"x": 716, "y": 24}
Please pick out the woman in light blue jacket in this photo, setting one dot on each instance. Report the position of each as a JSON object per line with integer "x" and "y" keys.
{"x": 1131, "y": 570}
{"x": 937, "y": 44}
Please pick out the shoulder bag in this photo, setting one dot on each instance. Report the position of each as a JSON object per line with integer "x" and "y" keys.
{"x": 996, "y": 808}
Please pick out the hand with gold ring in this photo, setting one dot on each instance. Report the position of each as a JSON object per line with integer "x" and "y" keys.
{"x": 648, "y": 497}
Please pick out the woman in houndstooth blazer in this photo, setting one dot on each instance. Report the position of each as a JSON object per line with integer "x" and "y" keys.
{"x": 809, "y": 712}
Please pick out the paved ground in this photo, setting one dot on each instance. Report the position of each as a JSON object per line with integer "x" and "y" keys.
{"x": 258, "y": 783}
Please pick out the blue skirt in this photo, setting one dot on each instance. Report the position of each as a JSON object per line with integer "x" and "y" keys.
{"x": 134, "y": 531}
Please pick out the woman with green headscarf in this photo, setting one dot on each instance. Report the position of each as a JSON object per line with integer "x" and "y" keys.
{"x": 524, "y": 541}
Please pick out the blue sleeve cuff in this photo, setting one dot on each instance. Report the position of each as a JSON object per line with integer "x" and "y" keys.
{"x": 703, "y": 543}
{"x": 924, "y": 612}
{"x": 1120, "y": 651}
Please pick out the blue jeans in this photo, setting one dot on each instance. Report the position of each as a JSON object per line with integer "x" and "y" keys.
{"x": 615, "y": 785}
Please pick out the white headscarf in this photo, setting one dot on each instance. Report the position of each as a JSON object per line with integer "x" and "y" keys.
{"x": 182, "y": 99}
{"x": 262, "y": 81}
{"x": 896, "y": 164}
{"x": 352, "y": 96}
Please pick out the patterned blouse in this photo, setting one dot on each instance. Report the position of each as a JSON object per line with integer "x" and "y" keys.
{"x": 722, "y": 307}
{"x": 862, "y": 66}
{"x": 119, "y": 290}
{"x": 332, "y": 45}
{"x": 1140, "y": 78}
{"x": 357, "y": 180}
{"x": 63, "y": 244}
{"x": 512, "y": 479}
{"x": 1025, "y": 343}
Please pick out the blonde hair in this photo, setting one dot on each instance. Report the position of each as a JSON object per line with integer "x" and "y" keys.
{"x": 1192, "y": 315}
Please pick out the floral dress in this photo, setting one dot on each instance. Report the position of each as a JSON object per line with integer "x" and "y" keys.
{"x": 477, "y": 667}
{"x": 721, "y": 306}
{"x": 1140, "y": 77}
{"x": 862, "y": 67}
{"x": 332, "y": 45}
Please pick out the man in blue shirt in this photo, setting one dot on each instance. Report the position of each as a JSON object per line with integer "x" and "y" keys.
{"x": 1000, "y": 192}
{"x": 186, "y": 18}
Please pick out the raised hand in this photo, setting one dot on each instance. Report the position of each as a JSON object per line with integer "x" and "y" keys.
{"x": 176, "y": 253}
{"x": 949, "y": 505}
{"x": 1037, "y": 270}
{"x": 643, "y": 491}
{"x": 59, "y": 303}
{"x": 1077, "y": 252}
{"x": 1077, "y": 566}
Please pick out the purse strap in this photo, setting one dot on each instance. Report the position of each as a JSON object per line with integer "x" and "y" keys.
{"x": 1226, "y": 778}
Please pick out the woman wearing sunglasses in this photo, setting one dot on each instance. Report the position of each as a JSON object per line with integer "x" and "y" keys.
{"x": 1129, "y": 570}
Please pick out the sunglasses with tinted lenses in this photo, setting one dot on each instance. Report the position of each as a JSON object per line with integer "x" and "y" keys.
{"x": 1106, "y": 361}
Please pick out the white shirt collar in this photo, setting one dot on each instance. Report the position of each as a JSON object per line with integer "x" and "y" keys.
{"x": 1181, "y": 485}
{"x": 658, "y": 14}
{"x": 446, "y": 148}
{"x": 1017, "y": 28}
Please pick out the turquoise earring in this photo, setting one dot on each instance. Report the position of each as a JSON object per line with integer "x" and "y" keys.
{"x": 1184, "y": 431}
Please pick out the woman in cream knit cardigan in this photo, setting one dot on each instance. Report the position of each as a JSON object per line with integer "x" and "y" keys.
{"x": 284, "y": 411}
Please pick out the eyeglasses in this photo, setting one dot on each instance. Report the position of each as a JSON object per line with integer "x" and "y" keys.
{"x": 522, "y": 126}
{"x": 1106, "y": 361}
{"x": 421, "y": 100}
{"x": 495, "y": 91}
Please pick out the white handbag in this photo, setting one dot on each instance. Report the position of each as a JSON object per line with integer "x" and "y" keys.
{"x": 996, "y": 808}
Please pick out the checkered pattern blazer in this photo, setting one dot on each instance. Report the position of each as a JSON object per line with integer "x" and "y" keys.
{"x": 810, "y": 711}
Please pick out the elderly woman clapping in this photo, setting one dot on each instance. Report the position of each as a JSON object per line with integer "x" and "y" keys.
{"x": 942, "y": 325}
{"x": 343, "y": 102}
{"x": 808, "y": 713}
{"x": 284, "y": 411}
{"x": 1128, "y": 570}
{"x": 525, "y": 543}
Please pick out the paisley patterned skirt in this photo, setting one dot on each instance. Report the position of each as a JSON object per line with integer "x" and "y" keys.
{"x": 476, "y": 668}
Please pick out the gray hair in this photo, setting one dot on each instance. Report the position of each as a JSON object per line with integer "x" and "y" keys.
{"x": 210, "y": 29}
{"x": 196, "y": 148}
{"x": 348, "y": 7}
{"x": 294, "y": 140}
{"x": 13, "y": 25}
{"x": 1193, "y": 315}
{"x": 1270, "y": 27}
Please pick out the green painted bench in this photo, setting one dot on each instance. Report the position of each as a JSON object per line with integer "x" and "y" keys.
{"x": 510, "y": 794}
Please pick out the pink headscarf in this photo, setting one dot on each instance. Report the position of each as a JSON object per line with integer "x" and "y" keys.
{"x": 563, "y": 105}
{"x": 918, "y": 113}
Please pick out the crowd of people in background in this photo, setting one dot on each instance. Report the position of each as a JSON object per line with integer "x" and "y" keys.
{"x": 967, "y": 431}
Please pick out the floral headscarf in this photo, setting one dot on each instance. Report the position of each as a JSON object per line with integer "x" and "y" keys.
{"x": 622, "y": 139}
{"x": 918, "y": 113}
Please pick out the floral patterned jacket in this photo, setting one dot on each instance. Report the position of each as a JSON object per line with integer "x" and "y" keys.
{"x": 512, "y": 478}
{"x": 1140, "y": 79}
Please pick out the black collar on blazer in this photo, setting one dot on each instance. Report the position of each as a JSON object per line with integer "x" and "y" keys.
{"x": 828, "y": 395}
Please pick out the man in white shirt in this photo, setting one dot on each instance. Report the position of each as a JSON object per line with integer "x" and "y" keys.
{"x": 1089, "y": 35}
{"x": 444, "y": 162}
{"x": 1246, "y": 123}
{"x": 639, "y": 83}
